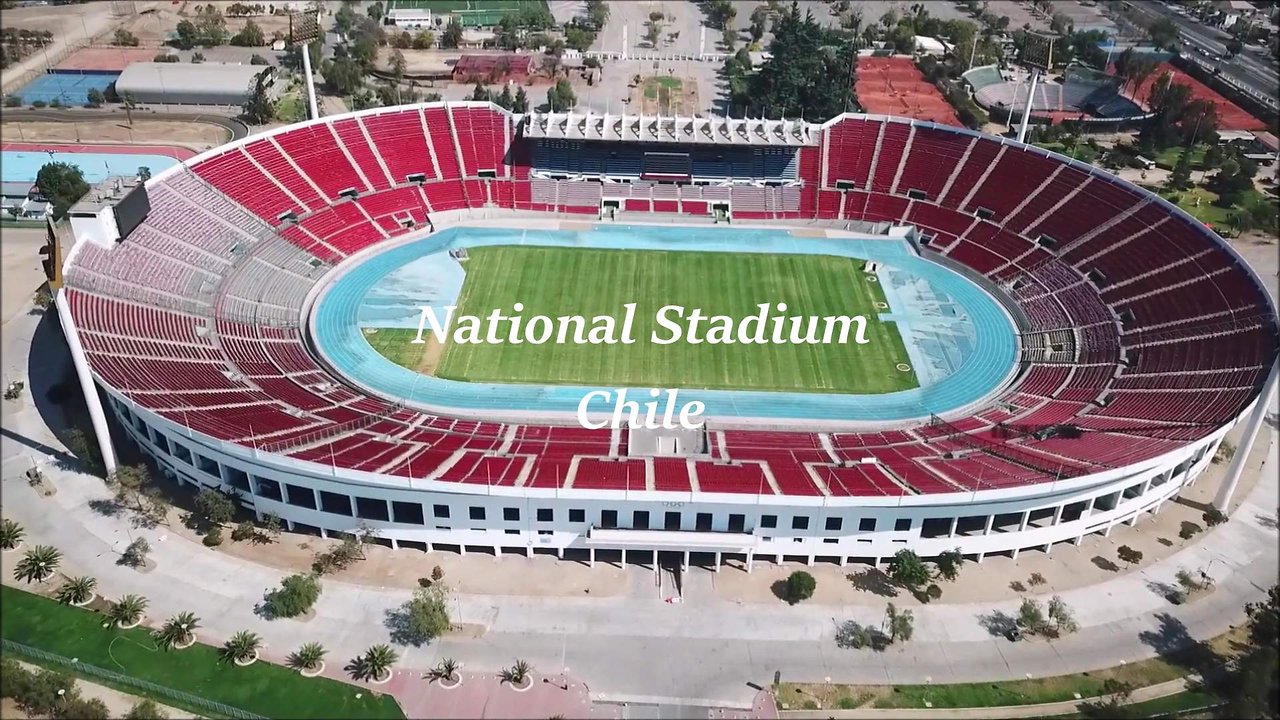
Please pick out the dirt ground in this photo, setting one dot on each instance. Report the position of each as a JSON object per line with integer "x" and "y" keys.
{"x": 151, "y": 28}
{"x": 196, "y": 136}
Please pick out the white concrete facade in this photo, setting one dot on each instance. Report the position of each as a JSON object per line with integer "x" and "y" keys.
{"x": 428, "y": 514}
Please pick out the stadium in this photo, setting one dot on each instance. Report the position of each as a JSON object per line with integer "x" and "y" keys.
{"x": 1056, "y": 351}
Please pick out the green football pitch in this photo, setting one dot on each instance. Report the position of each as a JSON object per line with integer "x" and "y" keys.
{"x": 470, "y": 12}
{"x": 556, "y": 281}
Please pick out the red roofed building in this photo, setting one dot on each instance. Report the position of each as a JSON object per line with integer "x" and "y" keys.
{"x": 494, "y": 68}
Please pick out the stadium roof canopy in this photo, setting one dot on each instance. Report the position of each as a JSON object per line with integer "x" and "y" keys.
{"x": 189, "y": 83}
{"x": 656, "y": 128}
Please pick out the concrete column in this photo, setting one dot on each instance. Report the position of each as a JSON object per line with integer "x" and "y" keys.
{"x": 685, "y": 567}
{"x": 592, "y": 561}
{"x": 952, "y": 532}
{"x": 717, "y": 562}
{"x": 559, "y": 553}
{"x": 986, "y": 530}
{"x": 809, "y": 562}
{"x": 751, "y": 558}
{"x": 1026, "y": 517}
{"x": 844, "y": 560}
{"x": 1015, "y": 553}
{"x": 462, "y": 549}
{"x": 655, "y": 561}
{"x": 394, "y": 545}
{"x": 624, "y": 557}
{"x": 1252, "y": 427}
{"x": 497, "y": 551}
{"x": 428, "y": 547}
{"x": 351, "y": 500}
{"x": 323, "y": 533}
{"x": 1057, "y": 514}
{"x": 97, "y": 416}
{"x": 289, "y": 524}
{"x": 981, "y": 555}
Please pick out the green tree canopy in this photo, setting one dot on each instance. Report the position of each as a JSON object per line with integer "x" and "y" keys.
{"x": 62, "y": 184}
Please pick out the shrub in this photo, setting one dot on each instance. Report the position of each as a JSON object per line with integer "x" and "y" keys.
{"x": 10, "y": 534}
{"x": 38, "y": 103}
{"x": 437, "y": 573}
{"x": 1128, "y": 555}
{"x": 933, "y": 592}
{"x": 241, "y": 647}
{"x": 136, "y": 554}
{"x": 295, "y": 596}
{"x": 127, "y": 610}
{"x": 426, "y": 616}
{"x": 213, "y": 538}
{"x": 76, "y": 591}
{"x": 1213, "y": 516}
{"x": 177, "y": 630}
{"x": 800, "y": 586}
{"x": 13, "y": 101}
{"x": 146, "y": 710}
{"x": 243, "y": 531}
{"x": 38, "y": 564}
{"x": 307, "y": 657}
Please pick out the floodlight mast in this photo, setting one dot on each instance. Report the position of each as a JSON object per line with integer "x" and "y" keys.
{"x": 1037, "y": 52}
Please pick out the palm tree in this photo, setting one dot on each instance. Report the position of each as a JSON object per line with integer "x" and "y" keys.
{"x": 446, "y": 670}
{"x": 177, "y": 630}
{"x": 76, "y": 591}
{"x": 127, "y": 610}
{"x": 308, "y": 657}
{"x": 377, "y": 662}
{"x": 242, "y": 647}
{"x": 10, "y": 534}
{"x": 517, "y": 674}
{"x": 38, "y": 564}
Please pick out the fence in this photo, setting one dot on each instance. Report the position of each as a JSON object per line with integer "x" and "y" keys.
{"x": 186, "y": 700}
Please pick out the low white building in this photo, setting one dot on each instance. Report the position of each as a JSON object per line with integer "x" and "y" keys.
{"x": 191, "y": 83}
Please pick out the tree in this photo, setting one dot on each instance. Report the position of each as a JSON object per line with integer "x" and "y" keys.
{"x": 146, "y": 710}
{"x": 271, "y": 525}
{"x": 375, "y": 12}
{"x": 579, "y": 38}
{"x": 127, "y": 610}
{"x": 177, "y": 630}
{"x": 135, "y": 555}
{"x": 908, "y": 570}
{"x": 374, "y": 664}
{"x": 1164, "y": 33}
{"x": 1128, "y": 555}
{"x": 343, "y": 76}
{"x": 426, "y": 615}
{"x": 82, "y": 708}
{"x": 63, "y": 184}
{"x": 249, "y": 36}
{"x": 424, "y": 40}
{"x": 452, "y": 34}
{"x": 504, "y": 99}
{"x": 759, "y": 16}
{"x": 854, "y": 635}
{"x": 135, "y": 489}
{"x": 124, "y": 38}
{"x": 1180, "y": 178}
{"x": 949, "y": 562}
{"x": 1063, "y": 618}
{"x": 1213, "y": 517}
{"x": 480, "y": 93}
{"x": 652, "y": 32}
{"x": 38, "y": 564}
{"x": 76, "y": 591}
{"x": 211, "y": 26}
{"x": 11, "y": 534}
{"x": 344, "y": 20}
{"x": 597, "y": 13}
{"x": 241, "y": 647}
{"x": 809, "y": 73}
{"x": 800, "y": 586}
{"x": 901, "y": 623}
{"x": 295, "y": 596}
{"x": 1031, "y": 618}
{"x": 446, "y": 669}
{"x": 560, "y": 97}
{"x": 307, "y": 657}
{"x": 729, "y": 39}
{"x": 1192, "y": 582}
{"x": 244, "y": 530}
{"x": 398, "y": 64}
{"x": 187, "y": 35}
{"x": 517, "y": 674}
{"x": 521, "y": 102}
{"x": 129, "y": 103}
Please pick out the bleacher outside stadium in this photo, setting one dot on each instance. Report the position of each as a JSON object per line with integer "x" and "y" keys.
{"x": 1083, "y": 94}
{"x": 1143, "y": 338}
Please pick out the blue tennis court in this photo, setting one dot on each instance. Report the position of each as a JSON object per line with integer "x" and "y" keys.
{"x": 66, "y": 88}
{"x": 961, "y": 340}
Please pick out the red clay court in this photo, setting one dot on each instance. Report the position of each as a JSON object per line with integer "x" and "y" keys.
{"x": 1233, "y": 117}
{"x": 894, "y": 86}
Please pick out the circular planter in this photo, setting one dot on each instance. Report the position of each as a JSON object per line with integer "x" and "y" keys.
{"x": 248, "y": 662}
{"x": 131, "y": 625}
{"x": 191, "y": 640}
{"x": 15, "y": 548}
{"x": 87, "y": 601}
{"x": 304, "y": 672}
{"x": 447, "y": 684}
{"x": 528, "y": 683}
{"x": 382, "y": 680}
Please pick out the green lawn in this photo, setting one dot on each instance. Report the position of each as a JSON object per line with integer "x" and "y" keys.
{"x": 589, "y": 282}
{"x": 1168, "y": 157}
{"x": 261, "y": 688}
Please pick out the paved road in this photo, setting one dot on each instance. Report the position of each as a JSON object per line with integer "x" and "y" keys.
{"x": 628, "y": 649}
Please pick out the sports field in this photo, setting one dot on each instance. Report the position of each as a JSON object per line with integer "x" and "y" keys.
{"x": 471, "y": 13}
{"x": 589, "y": 282}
